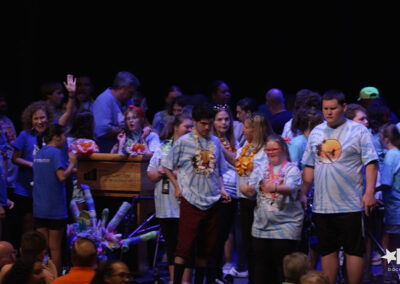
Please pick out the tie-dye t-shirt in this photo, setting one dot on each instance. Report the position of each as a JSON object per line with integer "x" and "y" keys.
{"x": 338, "y": 156}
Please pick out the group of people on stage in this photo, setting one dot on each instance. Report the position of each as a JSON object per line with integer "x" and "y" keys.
{"x": 255, "y": 178}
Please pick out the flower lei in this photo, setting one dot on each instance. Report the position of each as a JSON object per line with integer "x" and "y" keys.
{"x": 133, "y": 146}
{"x": 204, "y": 161}
{"x": 225, "y": 144}
{"x": 244, "y": 164}
{"x": 277, "y": 178}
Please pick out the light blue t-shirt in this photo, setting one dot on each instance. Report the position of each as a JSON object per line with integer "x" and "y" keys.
{"x": 338, "y": 156}
{"x": 167, "y": 206}
{"x": 391, "y": 177}
{"x": 281, "y": 216}
{"x": 49, "y": 193}
{"x": 26, "y": 143}
{"x": 259, "y": 159}
{"x": 198, "y": 189}
{"x": 297, "y": 146}
{"x": 108, "y": 113}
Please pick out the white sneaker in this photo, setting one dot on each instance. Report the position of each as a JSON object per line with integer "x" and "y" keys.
{"x": 238, "y": 274}
{"x": 227, "y": 267}
{"x": 376, "y": 259}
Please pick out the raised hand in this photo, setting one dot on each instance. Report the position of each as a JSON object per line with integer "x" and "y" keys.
{"x": 70, "y": 85}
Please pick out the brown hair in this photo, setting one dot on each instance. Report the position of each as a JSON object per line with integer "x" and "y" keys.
{"x": 390, "y": 131}
{"x": 34, "y": 107}
{"x": 294, "y": 266}
{"x": 278, "y": 139}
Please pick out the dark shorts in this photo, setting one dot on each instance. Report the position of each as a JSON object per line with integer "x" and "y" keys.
{"x": 51, "y": 224}
{"x": 23, "y": 204}
{"x": 197, "y": 225}
{"x": 341, "y": 229}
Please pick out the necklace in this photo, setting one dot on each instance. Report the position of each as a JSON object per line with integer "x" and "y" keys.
{"x": 244, "y": 163}
{"x": 225, "y": 144}
{"x": 204, "y": 161}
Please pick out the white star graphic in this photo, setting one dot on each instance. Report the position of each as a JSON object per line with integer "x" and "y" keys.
{"x": 389, "y": 256}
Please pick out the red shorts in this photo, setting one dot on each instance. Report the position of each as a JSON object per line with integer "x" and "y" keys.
{"x": 196, "y": 224}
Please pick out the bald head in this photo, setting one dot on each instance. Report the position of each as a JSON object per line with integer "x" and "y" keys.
{"x": 274, "y": 100}
{"x": 83, "y": 253}
{"x": 7, "y": 254}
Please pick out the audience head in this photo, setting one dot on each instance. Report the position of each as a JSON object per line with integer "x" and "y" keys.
{"x": 314, "y": 277}
{"x": 202, "y": 115}
{"x": 357, "y": 113}
{"x": 294, "y": 266}
{"x": 256, "y": 129}
{"x": 7, "y": 253}
{"x": 368, "y": 96}
{"x": 306, "y": 119}
{"x": 378, "y": 114}
{"x": 245, "y": 107}
{"x": 83, "y": 125}
{"x": 53, "y": 93}
{"x": 54, "y": 133}
{"x": 125, "y": 85}
{"x": 33, "y": 243}
{"x": 180, "y": 125}
{"x": 176, "y": 106}
{"x": 220, "y": 93}
{"x": 84, "y": 88}
{"x": 140, "y": 100}
{"x": 83, "y": 253}
{"x": 274, "y": 100}
{"x": 276, "y": 149}
{"x": 307, "y": 99}
{"x": 389, "y": 132}
{"x": 26, "y": 270}
{"x": 134, "y": 118}
{"x": 223, "y": 123}
{"x": 112, "y": 272}
{"x": 172, "y": 93}
{"x": 37, "y": 116}
{"x": 333, "y": 107}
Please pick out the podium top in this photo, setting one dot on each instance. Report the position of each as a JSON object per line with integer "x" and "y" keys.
{"x": 116, "y": 157}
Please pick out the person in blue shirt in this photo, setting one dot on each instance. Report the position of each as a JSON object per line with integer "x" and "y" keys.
{"x": 390, "y": 187}
{"x": 109, "y": 108}
{"x": 49, "y": 192}
{"x": 336, "y": 152}
{"x": 199, "y": 186}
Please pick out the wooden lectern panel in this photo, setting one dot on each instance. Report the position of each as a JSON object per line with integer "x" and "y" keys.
{"x": 115, "y": 175}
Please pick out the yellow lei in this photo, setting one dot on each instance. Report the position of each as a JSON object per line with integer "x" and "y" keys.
{"x": 204, "y": 161}
{"x": 226, "y": 145}
{"x": 244, "y": 164}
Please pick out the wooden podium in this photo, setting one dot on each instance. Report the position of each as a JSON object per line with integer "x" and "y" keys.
{"x": 115, "y": 175}
{"x": 114, "y": 178}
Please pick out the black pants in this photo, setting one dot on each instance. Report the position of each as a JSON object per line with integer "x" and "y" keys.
{"x": 246, "y": 207}
{"x": 169, "y": 229}
{"x": 268, "y": 257}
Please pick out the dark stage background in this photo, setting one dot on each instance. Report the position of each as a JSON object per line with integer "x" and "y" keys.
{"x": 251, "y": 47}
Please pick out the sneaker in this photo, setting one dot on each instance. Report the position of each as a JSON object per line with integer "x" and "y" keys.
{"x": 227, "y": 266}
{"x": 238, "y": 274}
{"x": 376, "y": 259}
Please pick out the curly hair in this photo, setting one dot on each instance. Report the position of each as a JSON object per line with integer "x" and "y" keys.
{"x": 34, "y": 107}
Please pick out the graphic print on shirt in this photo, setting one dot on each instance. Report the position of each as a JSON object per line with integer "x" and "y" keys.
{"x": 329, "y": 151}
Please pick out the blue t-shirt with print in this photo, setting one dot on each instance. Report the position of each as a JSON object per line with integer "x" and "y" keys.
{"x": 391, "y": 177}
{"x": 49, "y": 193}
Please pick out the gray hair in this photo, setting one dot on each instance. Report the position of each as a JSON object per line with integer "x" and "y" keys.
{"x": 125, "y": 79}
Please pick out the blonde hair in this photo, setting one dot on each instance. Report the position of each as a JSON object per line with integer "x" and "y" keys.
{"x": 294, "y": 266}
{"x": 314, "y": 277}
{"x": 262, "y": 129}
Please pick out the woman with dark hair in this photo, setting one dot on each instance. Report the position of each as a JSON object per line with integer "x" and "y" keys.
{"x": 166, "y": 204}
{"x": 112, "y": 272}
{"x": 26, "y": 270}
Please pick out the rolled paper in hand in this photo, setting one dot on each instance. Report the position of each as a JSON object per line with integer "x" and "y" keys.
{"x": 125, "y": 206}
{"x": 74, "y": 210}
{"x": 126, "y": 243}
{"x": 90, "y": 204}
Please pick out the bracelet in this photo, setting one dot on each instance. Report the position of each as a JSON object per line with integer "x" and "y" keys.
{"x": 276, "y": 187}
